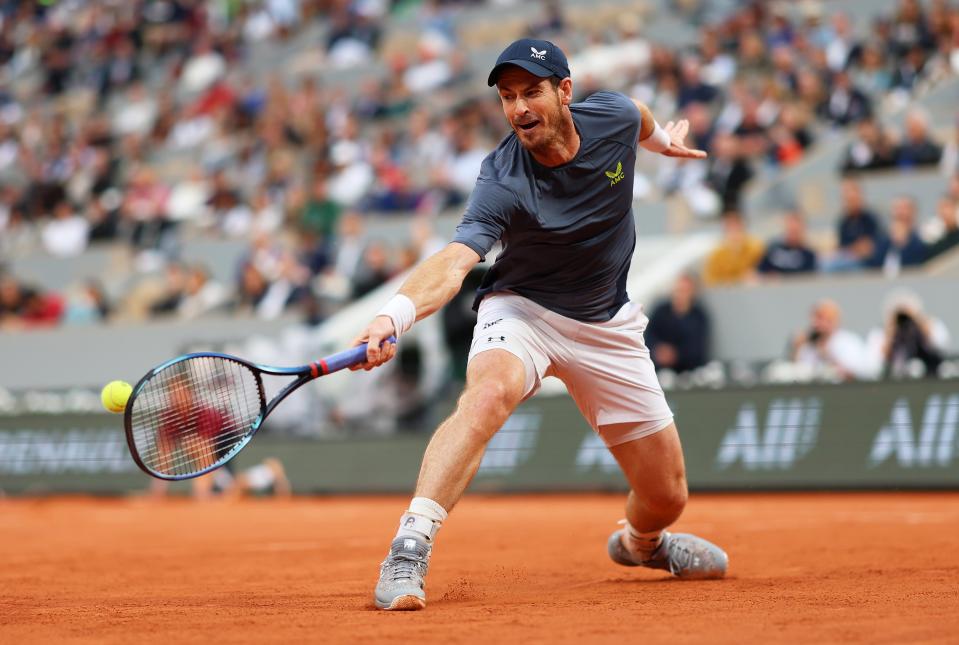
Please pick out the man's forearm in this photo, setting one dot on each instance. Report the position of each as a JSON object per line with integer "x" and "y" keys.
{"x": 437, "y": 279}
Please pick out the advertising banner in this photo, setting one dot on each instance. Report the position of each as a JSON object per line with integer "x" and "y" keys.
{"x": 863, "y": 435}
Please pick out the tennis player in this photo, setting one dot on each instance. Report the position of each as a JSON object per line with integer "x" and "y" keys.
{"x": 557, "y": 193}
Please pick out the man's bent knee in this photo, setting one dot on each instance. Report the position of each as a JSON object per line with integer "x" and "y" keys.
{"x": 667, "y": 500}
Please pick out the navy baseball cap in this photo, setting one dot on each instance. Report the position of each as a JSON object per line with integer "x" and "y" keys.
{"x": 538, "y": 57}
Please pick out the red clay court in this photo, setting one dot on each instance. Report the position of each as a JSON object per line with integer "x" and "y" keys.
{"x": 867, "y": 568}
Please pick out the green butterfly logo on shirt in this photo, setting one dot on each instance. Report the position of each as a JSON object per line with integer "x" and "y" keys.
{"x": 616, "y": 176}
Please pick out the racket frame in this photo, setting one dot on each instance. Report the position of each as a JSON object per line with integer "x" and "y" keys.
{"x": 303, "y": 373}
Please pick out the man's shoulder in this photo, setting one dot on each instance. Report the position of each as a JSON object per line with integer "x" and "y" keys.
{"x": 608, "y": 115}
{"x": 605, "y": 101}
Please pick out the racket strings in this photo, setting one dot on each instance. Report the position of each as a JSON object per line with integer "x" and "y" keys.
{"x": 191, "y": 414}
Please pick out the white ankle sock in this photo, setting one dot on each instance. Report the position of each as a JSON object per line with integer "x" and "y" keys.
{"x": 423, "y": 519}
{"x": 642, "y": 543}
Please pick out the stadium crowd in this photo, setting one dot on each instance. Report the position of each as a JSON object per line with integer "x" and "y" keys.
{"x": 142, "y": 124}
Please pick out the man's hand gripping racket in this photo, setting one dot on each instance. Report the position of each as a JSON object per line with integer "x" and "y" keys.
{"x": 194, "y": 413}
{"x": 380, "y": 340}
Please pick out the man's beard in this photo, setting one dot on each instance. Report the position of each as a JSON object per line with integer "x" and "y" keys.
{"x": 551, "y": 134}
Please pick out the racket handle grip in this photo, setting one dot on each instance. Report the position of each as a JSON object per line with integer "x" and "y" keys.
{"x": 348, "y": 358}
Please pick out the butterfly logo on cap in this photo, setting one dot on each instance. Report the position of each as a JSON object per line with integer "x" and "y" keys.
{"x": 540, "y": 55}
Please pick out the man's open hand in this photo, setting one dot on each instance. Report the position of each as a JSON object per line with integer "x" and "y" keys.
{"x": 677, "y": 136}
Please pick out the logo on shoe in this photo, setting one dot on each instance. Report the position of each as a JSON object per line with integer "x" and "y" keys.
{"x": 538, "y": 55}
{"x": 616, "y": 176}
{"x": 409, "y": 545}
{"x": 410, "y": 521}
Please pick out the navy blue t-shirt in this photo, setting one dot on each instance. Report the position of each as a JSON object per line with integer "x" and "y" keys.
{"x": 567, "y": 231}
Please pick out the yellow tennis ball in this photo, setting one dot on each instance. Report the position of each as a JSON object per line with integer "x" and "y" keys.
{"x": 115, "y": 394}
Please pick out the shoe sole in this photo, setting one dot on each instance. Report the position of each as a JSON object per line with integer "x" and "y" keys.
{"x": 403, "y": 603}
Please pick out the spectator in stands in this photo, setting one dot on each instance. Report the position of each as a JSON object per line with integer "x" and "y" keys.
{"x": 828, "y": 350}
{"x": 846, "y": 103}
{"x": 373, "y": 271}
{"x": 811, "y": 91}
{"x": 267, "y": 216}
{"x": 942, "y": 234}
{"x": 736, "y": 257}
{"x": 908, "y": 335}
{"x": 18, "y": 236}
{"x": 203, "y": 69}
{"x": 392, "y": 190}
{"x": 903, "y": 246}
{"x": 352, "y": 37}
{"x": 678, "y": 331}
{"x": 352, "y": 174}
{"x": 908, "y": 71}
{"x": 917, "y": 148}
{"x": 87, "y": 305}
{"x": 842, "y": 44}
{"x": 41, "y": 309}
{"x": 789, "y": 136}
{"x": 251, "y": 288}
{"x": 872, "y": 149}
{"x": 191, "y": 196}
{"x": 288, "y": 289}
{"x": 718, "y": 66}
{"x": 551, "y": 23}
{"x": 201, "y": 294}
{"x": 751, "y": 130}
{"x": 349, "y": 248}
{"x": 11, "y": 300}
{"x": 692, "y": 88}
{"x": 859, "y": 232}
{"x": 228, "y": 209}
{"x": 909, "y": 28}
{"x": 137, "y": 113}
{"x": 728, "y": 172}
{"x": 171, "y": 293}
{"x": 320, "y": 214}
{"x": 432, "y": 69}
{"x": 144, "y": 206}
{"x": 67, "y": 233}
{"x": 791, "y": 254}
{"x": 872, "y": 74}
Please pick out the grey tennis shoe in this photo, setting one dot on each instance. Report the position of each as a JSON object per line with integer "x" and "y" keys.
{"x": 682, "y": 554}
{"x": 401, "y": 581}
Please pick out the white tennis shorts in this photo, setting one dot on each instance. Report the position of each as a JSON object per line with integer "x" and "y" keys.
{"x": 606, "y": 366}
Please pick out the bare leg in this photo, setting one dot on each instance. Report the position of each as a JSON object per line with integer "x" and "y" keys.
{"x": 656, "y": 473}
{"x": 495, "y": 385}
{"x": 495, "y": 382}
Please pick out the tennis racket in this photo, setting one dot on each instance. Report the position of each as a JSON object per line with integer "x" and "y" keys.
{"x": 194, "y": 413}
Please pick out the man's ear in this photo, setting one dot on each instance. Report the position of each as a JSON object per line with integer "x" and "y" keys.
{"x": 566, "y": 90}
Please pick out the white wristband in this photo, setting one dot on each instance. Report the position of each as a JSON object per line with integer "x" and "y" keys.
{"x": 401, "y": 311}
{"x": 658, "y": 141}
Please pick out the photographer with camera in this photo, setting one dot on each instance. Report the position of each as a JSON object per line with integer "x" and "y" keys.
{"x": 909, "y": 336}
{"x": 827, "y": 350}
